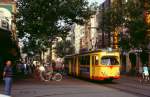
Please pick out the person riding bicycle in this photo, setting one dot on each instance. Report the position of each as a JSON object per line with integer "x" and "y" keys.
{"x": 50, "y": 74}
{"x": 145, "y": 72}
{"x": 140, "y": 73}
{"x": 53, "y": 64}
{"x": 41, "y": 68}
{"x": 49, "y": 68}
{"x": 45, "y": 69}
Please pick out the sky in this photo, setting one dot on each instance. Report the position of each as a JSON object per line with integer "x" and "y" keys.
{"x": 99, "y": 1}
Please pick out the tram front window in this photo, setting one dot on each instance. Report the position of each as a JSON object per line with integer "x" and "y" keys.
{"x": 109, "y": 60}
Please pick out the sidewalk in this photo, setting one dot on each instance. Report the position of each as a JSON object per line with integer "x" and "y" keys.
{"x": 132, "y": 78}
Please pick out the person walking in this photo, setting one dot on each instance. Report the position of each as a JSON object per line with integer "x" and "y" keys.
{"x": 8, "y": 76}
{"x": 139, "y": 73}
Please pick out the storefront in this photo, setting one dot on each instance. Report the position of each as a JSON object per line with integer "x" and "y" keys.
{"x": 135, "y": 59}
{"x": 8, "y": 47}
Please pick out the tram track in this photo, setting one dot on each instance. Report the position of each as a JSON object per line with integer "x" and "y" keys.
{"x": 141, "y": 92}
{"x": 130, "y": 86}
{"x": 137, "y": 85}
{"x": 125, "y": 85}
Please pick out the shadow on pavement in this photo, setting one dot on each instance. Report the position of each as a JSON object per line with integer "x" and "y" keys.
{"x": 97, "y": 81}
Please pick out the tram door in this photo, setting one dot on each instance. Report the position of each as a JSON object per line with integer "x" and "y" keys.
{"x": 95, "y": 62}
{"x": 74, "y": 66}
{"x": 69, "y": 65}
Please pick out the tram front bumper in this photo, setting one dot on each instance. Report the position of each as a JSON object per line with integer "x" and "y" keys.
{"x": 105, "y": 75}
{"x": 104, "y": 78}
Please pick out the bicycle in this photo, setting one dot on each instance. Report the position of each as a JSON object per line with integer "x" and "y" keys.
{"x": 50, "y": 75}
{"x": 145, "y": 78}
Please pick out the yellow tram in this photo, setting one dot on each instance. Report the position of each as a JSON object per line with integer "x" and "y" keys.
{"x": 95, "y": 65}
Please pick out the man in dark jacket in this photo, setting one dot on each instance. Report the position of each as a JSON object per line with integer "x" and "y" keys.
{"x": 8, "y": 74}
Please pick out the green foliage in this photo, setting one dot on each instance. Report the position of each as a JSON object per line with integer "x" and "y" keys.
{"x": 64, "y": 48}
{"x": 46, "y": 20}
{"x": 129, "y": 15}
{"x": 34, "y": 46}
{"x": 138, "y": 31}
{"x": 112, "y": 17}
{"x": 136, "y": 24}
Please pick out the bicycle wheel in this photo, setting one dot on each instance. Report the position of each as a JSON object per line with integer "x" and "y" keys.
{"x": 44, "y": 76}
{"x": 57, "y": 77}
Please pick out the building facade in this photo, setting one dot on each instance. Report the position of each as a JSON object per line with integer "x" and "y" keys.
{"x": 8, "y": 28}
{"x": 84, "y": 37}
{"x": 131, "y": 59}
{"x": 9, "y": 46}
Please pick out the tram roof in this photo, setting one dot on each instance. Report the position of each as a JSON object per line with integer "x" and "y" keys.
{"x": 98, "y": 50}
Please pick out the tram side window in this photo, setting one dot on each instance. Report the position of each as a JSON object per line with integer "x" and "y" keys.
{"x": 85, "y": 60}
{"x": 81, "y": 60}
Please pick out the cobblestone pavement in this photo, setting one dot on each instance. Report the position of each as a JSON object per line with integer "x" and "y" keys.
{"x": 72, "y": 87}
{"x": 131, "y": 85}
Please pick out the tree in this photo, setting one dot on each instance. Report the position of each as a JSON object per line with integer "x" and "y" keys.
{"x": 50, "y": 19}
{"x": 35, "y": 46}
{"x": 64, "y": 48}
{"x": 136, "y": 24}
{"x": 111, "y": 18}
{"x": 129, "y": 15}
